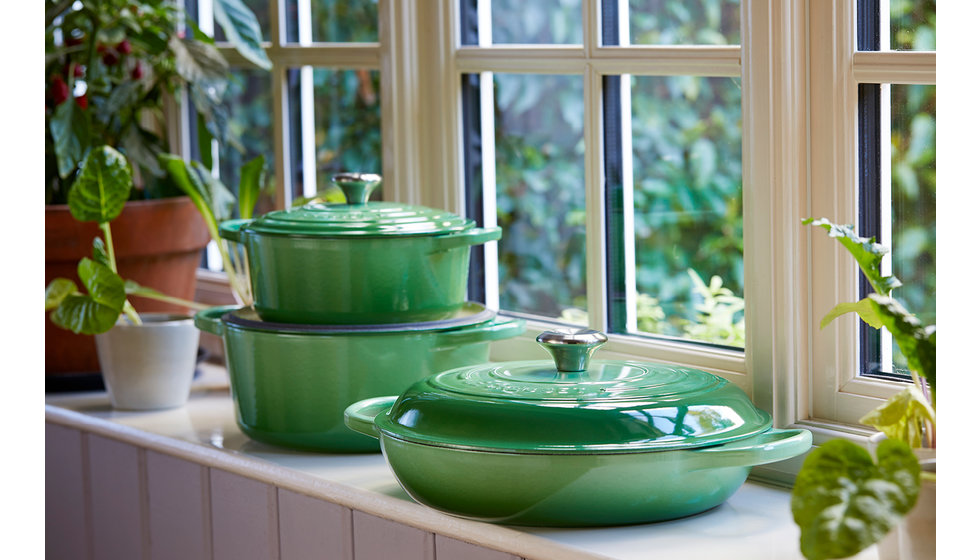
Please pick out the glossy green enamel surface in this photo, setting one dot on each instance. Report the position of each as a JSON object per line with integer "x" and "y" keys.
{"x": 372, "y": 219}
{"x": 582, "y": 490}
{"x": 359, "y": 280}
{"x": 612, "y": 407}
{"x": 291, "y": 389}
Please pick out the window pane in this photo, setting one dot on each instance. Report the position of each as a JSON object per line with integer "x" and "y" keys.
{"x": 684, "y": 22}
{"x": 537, "y": 22}
{"x": 332, "y": 21}
{"x": 249, "y": 127}
{"x": 687, "y": 202}
{"x": 913, "y": 25}
{"x": 335, "y": 124}
{"x": 541, "y": 194}
{"x": 913, "y": 200}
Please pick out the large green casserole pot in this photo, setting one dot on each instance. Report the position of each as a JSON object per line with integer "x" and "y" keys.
{"x": 580, "y": 444}
{"x": 357, "y": 263}
{"x": 291, "y": 383}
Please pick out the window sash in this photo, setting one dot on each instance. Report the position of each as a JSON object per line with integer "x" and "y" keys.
{"x": 837, "y": 391}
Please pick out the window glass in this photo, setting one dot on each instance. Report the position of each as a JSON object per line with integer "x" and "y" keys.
{"x": 331, "y": 21}
{"x": 335, "y": 124}
{"x": 250, "y": 99}
{"x": 540, "y": 194}
{"x": 913, "y": 200}
{"x": 537, "y": 22}
{"x": 687, "y": 202}
{"x": 678, "y": 22}
{"x": 913, "y": 25}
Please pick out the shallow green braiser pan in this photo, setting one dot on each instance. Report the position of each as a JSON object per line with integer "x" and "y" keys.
{"x": 606, "y": 443}
{"x": 291, "y": 383}
{"x": 357, "y": 263}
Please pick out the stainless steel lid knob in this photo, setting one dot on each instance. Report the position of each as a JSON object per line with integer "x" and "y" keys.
{"x": 357, "y": 187}
{"x": 572, "y": 348}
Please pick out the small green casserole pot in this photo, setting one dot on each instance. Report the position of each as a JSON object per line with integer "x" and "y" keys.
{"x": 291, "y": 383}
{"x": 357, "y": 263}
{"x": 569, "y": 443}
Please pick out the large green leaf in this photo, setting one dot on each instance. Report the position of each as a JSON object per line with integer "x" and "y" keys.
{"x": 199, "y": 62}
{"x": 57, "y": 291}
{"x": 252, "y": 177}
{"x": 863, "y": 308}
{"x": 70, "y": 130}
{"x": 98, "y": 310}
{"x": 242, "y": 29}
{"x": 903, "y": 417}
{"x": 843, "y": 502}
{"x": 212, "y": 198}
{"x": 102, "y": 188}
{"x": 917, "y": 342}
{"x": 866, "y": 252}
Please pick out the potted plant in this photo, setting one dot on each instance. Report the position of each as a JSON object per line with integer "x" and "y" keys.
{"x": 844, "y": 500}
{"x": 147, "y": 362}
{"x": 111, "y": 67}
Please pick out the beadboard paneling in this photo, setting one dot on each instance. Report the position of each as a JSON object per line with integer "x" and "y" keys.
{"x": 244, "y": 518}
{"x": 65, "y": 522}
{"x": 379, "y": 539}
{"x": 314, "y": 529}
{"x": 179, "y": 507}
{"x": 116, "y": 498}
{"x": 448, "y": 548}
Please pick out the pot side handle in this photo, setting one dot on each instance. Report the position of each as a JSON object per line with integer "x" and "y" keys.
{"x": 499, "y": 328}
{"x": 209, "y": 320}
{"x": 231, "y": 229}
{"x": 767, "y": 447}
{"x": 472, "y": 236}
{"x": 360, "y": 415}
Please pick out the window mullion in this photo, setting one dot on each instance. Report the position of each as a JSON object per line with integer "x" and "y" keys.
{"x": 595, "y": 228}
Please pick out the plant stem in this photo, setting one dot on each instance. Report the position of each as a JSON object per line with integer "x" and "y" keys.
{"x": 131, "y": 313}
{"x": 107, "y": 232}
{"x": 232, "y": 272}
{"x": 174, "y": 300}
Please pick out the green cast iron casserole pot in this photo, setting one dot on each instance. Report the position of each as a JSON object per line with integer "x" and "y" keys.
{"x": 573, "y": 443}
{"x": 291, "y": 383}
{"x": 357, "y": 263}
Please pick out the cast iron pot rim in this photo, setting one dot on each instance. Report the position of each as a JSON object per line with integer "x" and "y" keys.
{"x": 620, "y": 450}
{"x": 481, "y": 316}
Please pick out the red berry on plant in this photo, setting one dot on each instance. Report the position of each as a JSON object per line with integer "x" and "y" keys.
{"x": 137, "y": 72}
{"x": 110, "y": 58}
{"x": 79, "y": 71}
{"x": 82, "y": 101}
{"x": 101, "y": 48}
{"x": 124, "y": 47}
{"x": 59, "y": 90}
{"x": 73, "y": 41}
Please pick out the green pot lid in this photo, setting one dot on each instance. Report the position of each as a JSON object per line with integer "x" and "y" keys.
{"x": 358, "y": 217}
{"x": 575, "y": 407}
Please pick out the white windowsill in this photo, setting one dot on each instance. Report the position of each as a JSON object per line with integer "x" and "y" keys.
{"x": 754, "y": 523}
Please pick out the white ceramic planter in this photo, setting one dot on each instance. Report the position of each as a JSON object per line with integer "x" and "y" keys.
{"x": 150, "y": 366}
{"x": 914, "y": 538}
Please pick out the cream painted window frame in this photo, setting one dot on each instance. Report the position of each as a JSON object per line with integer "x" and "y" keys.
{"x": 838, "y": 393}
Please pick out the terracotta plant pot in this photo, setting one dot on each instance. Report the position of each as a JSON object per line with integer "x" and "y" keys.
{"x": 158, "y": 244}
